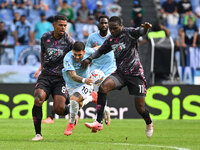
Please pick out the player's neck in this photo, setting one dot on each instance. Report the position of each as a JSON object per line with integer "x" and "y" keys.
{"x": 103, "y": 34}
{"x": 56, "y": 36}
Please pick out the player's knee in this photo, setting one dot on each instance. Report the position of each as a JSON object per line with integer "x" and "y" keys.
{"x": 76, "y": 97}
{"x": 38, "y": 101}
{"x": 103, "y": 89}
{"x": 58, "y": 109}
{"x": 140, "y": 109}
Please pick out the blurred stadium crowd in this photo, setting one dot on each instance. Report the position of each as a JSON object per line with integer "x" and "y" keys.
{"x": 23, "y": 22}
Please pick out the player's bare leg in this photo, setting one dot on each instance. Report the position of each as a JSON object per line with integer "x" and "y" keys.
{"x": 140, "y": 107}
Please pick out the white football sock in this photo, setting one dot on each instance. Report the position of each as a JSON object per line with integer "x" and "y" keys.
{"x": 106, "y": 108}
{"x": 74, "y": 107}
{"x": 87, "y": 100}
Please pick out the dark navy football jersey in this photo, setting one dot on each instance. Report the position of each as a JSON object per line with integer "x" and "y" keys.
{"x": 54, "y": 52}
{"x": 125, "y": 50}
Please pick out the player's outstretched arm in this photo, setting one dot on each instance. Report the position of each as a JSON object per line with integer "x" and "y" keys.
{"x": 79, "y": 79}
{"x": 89, "y": 59}
{"x": 142, "y": 30}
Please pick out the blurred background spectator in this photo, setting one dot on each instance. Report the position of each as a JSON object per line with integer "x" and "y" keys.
{"x": 36, "y": 4}
{"x": 3, "y": 34}
{"x": 19, "y": 4}
{"x": 114, "y": 9}
{"x": 83, "y": 13}
{"x": 99, "y": 10}
{"x": 189, "y": 34}
{"x": 42, "y": 27}
{"x": 67, "y": 10}
{"x": 3, "y": 4}
{"x": 89, "y": 28}
{"x": 23, "y": 32}
{"x": 137, "y": 13}
{"x": 169, "y": 12}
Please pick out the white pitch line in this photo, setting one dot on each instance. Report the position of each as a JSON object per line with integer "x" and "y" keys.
{"x": 145, "y": 145}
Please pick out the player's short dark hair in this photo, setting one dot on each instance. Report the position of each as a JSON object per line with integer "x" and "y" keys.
{"x": 116, "y": 20}
{"x": 60, "y": 17}
{"x": 103, "y": 16}
{"x": 78, "y": 46}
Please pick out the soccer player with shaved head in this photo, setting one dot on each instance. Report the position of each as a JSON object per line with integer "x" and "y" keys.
{"x": 123, "y": 42}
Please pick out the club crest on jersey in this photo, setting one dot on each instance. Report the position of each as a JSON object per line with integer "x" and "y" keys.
{"x": 118, "y": 46}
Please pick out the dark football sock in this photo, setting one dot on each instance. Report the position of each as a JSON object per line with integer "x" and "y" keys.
{"x": 66, "y": 110}
{"x": 37, "y": 117}
{"x": 146, "y": 117}
{"x": 52, "y": 114}
{"x": 101, "y": 102}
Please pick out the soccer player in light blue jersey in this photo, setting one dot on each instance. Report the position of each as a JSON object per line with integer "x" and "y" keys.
{"x": 106, "y": 63}
{"x": 78, "y": 83}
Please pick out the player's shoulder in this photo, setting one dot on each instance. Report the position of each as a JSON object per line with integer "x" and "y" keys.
{"x": 126, "y": 29}
{"x": 69, "y": 54}
{"x": 94, "y": 34}
{"x": 47, "y": 34}
{"x": 69, "y": 38}
{"x": 89, "y": 50}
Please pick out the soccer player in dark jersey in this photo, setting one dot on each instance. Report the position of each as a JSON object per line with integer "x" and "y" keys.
{"x": 54, "y": 45}
{"x": 123, "y": 41}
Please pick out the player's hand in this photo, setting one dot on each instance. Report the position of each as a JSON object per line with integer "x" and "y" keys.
{"x": 94, "y": 45}
{"x": 146, "y": 25}
{"x": 89, "y": 81}
{"x": 85, "y": 63}
{"x": 36, "y": 74}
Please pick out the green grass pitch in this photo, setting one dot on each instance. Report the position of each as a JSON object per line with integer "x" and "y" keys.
{"x": 127, "y": 134}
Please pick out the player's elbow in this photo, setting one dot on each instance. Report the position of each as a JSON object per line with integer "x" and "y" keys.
{"x": 142, "y": 31}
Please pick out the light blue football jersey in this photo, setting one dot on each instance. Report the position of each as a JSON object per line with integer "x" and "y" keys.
{"x": 70, "y": 63}
{"x": 106, "y": 62}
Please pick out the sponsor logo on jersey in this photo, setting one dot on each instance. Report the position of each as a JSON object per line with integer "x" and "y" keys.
{"x": 118, "y": 46}
{"x": 54, "y": 51}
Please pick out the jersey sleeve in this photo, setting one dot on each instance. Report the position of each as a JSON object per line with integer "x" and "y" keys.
{"x": 70, "y": 42}
{"x": 42, "y": 44}
{"x": 67, "y": 63}
{"x": 106, "y": 47}
{"x": 134, "y": 32}
{"x": 89, "y": 42}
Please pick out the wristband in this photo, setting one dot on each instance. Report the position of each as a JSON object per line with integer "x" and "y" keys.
{"x": 83, "y": 80}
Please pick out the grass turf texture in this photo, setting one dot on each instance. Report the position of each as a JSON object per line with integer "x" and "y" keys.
{"x": 127, "y": 134}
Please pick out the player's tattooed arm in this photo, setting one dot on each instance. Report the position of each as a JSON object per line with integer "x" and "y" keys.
{"x": 74, "y": 76}
{"x": 79, "y": 79}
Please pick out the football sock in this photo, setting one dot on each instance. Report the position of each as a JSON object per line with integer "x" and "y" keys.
{"x": 37, "y": 117}
{"x": 87, "y": 100}
{"x": 66, "y": 112}
{"x": 101, "y": 102}
{"x": 52, "y": 114}
{"x": 146, "y": 117}
{"x": 105, "y": 108}
{"x": 74, "y": 107}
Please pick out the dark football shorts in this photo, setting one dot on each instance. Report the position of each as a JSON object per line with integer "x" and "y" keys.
{"x": 136, "y": 84}
{"x": 53, "y": 85}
